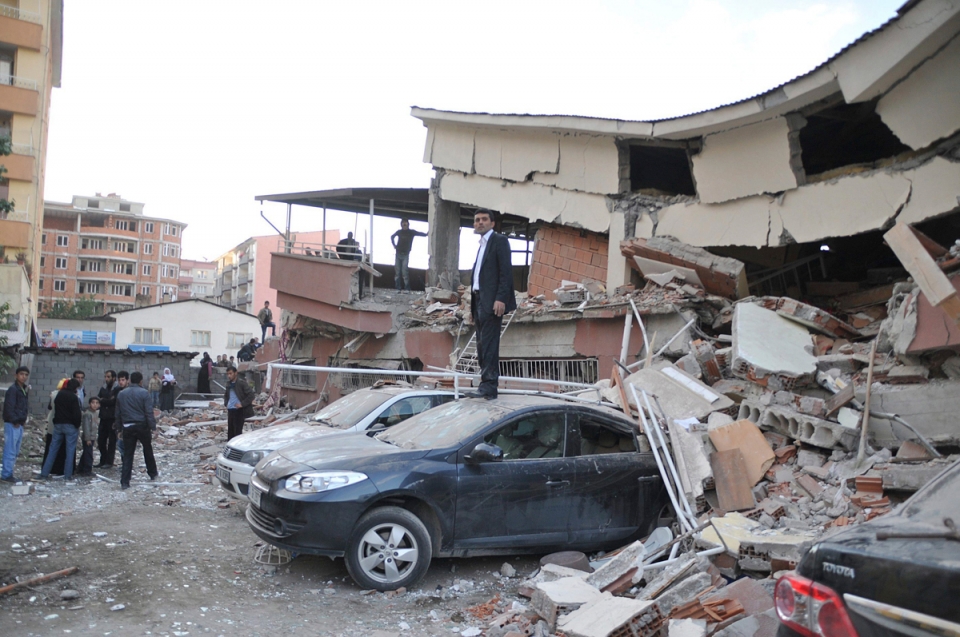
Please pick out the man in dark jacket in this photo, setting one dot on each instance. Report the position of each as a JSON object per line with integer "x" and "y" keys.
{"x": 66, "y": 429}
{"x": 16, "y": 408}
{"x": 106, "y": 436}
{"x": 492, "y": 297}
{"x": 238, "y": 399}
{"x": 135, "y": 415}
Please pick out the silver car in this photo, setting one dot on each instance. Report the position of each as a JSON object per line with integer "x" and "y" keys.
{"x": 363, "y": 411}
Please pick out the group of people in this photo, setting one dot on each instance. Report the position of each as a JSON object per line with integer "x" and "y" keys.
{"x": 119, "y": 417}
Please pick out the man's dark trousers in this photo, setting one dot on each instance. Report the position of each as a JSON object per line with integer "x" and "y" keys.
{"x": 131, "y": 435}
{"x": 235, "y": 422}
{"x": 488, "y": 327}
{"x": 106, "y": 441}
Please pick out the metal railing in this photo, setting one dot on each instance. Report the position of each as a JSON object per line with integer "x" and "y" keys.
{"x": 19, "y": 82}
{"x": 576, "y": 370}
{"x": 19, "y": 14}
{"x": 16, "y": 215}
{"x": 325, "y": 250}
{"x": 298, "y": 379}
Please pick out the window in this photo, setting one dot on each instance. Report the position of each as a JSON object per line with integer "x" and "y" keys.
{"x": 531, "y": 437}
{"x": 43, "y": 239}
{"x": 40, "y": 284}
{"x": 59, "y": 285}
{"x": 91, "y": 244}
{"x": 121, "y": 224}
{"x": 147, "y": 270}
{"x": 598, "y": 438}
{"x": 170, "y": 250}
{"x": 123, "y": 268}
{"x": 148, "y": 248}
{"x": 63, "y": 240}
{"x": 123, "y": 246}
{"x": 169, "y": 271}
{"x": 147, "y": 336}
{"x": 91, "y": 266}
{"x": 403, "y": 409}
{"x": 145, "y": 290}
{"x": 89, "y": 288}
{"x": 200, "y": 289}
{"x": 148, "y": 227}
{"x": 43, "y": 261}
{"x": 662, "y": 168}
{"x": 61, "y": 263}
{"x": 124, "y": 207}
{"x": 296, "y": 379}
{"x": 171, "y": 229}
{"x": 93, "y": 203}
{"x": 236, "y": 340}
{"x": 121, "y": 290}
{"x": 199, "y": 339}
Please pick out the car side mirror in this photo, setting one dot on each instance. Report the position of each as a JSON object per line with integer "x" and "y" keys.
{"x": 484, "y": 453}
{"x": 376, "y": 428}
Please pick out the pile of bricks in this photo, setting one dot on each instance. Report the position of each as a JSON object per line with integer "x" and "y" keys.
{"x": 561, "y": 253}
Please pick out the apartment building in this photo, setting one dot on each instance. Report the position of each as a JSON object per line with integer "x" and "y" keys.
{"x": 243, "y": 272}
{"x": 104, "y": 247}
{"x": 197, "y": 279}
{"x": 31, "y": 46}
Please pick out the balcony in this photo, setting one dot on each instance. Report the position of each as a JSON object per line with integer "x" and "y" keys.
{"x": 324, "y": 289}
{"x": 19, "y": 95}
{"x": 16, "y": 234}
{"x": 16, "y": 288}
{"x": 242, "y": 279}
{"x": 20, "y": 28}
{"x": 20, "y": 164}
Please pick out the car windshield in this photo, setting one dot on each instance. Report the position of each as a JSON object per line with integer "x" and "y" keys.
{"x": 351, "y": 409}
{"x": 936, "y": 501}
{"x": 442, "y": 426}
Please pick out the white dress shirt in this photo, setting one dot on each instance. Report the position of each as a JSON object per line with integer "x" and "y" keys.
{"x": 476, "y": 266}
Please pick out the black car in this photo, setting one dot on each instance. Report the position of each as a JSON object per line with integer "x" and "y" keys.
{"x": 893, "y": 576}
{"x": 473, "y": 477}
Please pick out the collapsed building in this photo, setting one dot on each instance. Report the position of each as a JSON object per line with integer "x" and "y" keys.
{"x": 781, "y": 199}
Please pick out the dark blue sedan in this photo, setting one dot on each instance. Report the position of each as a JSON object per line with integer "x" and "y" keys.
{"x": 473, "y": 477}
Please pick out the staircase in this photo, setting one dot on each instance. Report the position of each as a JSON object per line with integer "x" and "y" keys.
{"x": 468, "y": 363}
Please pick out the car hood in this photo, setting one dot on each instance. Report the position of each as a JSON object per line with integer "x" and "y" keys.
{"x": 922, "y": 575}
{"x": 270, "y": 438}
{"x": 354, "y": 453}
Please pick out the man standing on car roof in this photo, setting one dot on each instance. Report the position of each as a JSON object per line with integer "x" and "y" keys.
{"x": 492, "y": 297}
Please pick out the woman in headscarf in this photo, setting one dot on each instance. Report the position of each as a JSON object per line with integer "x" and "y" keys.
{"x": 206, "y": 371}
{"x": 168, "y": 385}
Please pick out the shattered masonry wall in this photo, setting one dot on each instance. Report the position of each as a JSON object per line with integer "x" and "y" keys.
{"x": 49, "y": 366}
{"x": 566, "y": 253}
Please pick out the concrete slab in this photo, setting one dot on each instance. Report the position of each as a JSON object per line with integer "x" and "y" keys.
{"x": 770, "y": 349}
{"x": 749, "y": 592}
{"x": 683, "y": 592}
{"x": 737, "y": 530}
{"x": 687, "y": 628}
{"x": 551, "y": 599}
{"x": 603, "y": 617}
{"x": 682, "y": 396}
{"x": 630, "y": 557}
{"x": 760, "y": 625}
{"x": 936, "y": 186}
{"x": 588, "y": 163}
{"x": 931, "y": 408}
{"x": 451, "y": 148}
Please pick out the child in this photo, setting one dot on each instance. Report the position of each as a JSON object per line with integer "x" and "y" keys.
{"x": 153, "y": 386}
{"x": 88, "y": 434}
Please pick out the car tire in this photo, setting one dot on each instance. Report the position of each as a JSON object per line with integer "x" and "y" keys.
{"x": 389, "y": 547}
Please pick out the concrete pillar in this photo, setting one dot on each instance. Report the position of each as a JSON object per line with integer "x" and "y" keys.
{"x": 443, "y": 240}
{"x": 618, "y": 271}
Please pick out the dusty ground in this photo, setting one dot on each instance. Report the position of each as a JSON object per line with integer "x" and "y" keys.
{"x": 180, "y": 561}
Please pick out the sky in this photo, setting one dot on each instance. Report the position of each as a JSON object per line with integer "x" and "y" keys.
{"x": 194, "y": 108}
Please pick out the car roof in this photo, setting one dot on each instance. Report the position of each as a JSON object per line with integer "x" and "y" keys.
{"x": 515, "y": 402}
{"x": 397, "y": 390}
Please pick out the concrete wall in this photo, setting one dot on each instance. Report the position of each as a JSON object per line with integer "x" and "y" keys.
{"x": 177, "y": 320}
{"x": 49, "y": 366}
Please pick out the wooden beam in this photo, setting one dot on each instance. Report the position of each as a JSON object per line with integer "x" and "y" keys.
{"x": 924, "y": 270}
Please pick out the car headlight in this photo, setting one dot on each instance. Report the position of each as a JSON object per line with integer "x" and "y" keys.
{"x": 253, "y": 457}
{"x": 318, "y": 481}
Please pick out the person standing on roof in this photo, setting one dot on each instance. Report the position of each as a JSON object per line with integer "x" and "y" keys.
{"x": 349, "y": 248}
{"x": 402, "y": 241}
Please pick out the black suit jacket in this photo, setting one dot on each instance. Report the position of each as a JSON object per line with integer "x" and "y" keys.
{"x": 496, "y": 276}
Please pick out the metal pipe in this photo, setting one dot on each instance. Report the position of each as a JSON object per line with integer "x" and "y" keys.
{"x": 370, "y": 247}
{"x": 558, "y": 383}
{"x": 643, "y": 330}
{"x": 286, "y": 235}
{"x": 673, "y": 468}
{"x": 324, "y": 240}
{"x": 667, "y": 344}
{"x": 625, "y": 344}
{"x": 717, "y": 550}
{"x": 656, "y": 456}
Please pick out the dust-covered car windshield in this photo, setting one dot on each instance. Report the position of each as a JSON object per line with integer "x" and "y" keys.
{"x": 442, "y": 426}
{"x": 351, "y": 409}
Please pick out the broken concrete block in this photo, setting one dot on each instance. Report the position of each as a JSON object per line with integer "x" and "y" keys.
{"x": 769, "y": 349}
{"x": 722, "y": 276}
{"x": 692, "y": 461}
{"x": 683, "y": 592}
{"x": 807, "y": 458}
{"x": 809, "y": 316}
{"x": 931, "y": 408}
{"x": 809, "y": 429}
{"x": 738, "y": 530}
{"x": 749, "y": 592}
{"x": 551, "y": 599}
{"x": 909, "y": 477}
{"x": 21, "y": 489}
{"x": 910, "y": 450}
{"x": 810, "y": 485}
{"x": 689, "y": 364}
{"x": 682, "y": 396}
{"x": 745, "y": 436}
{"x": 612, "y": 615}
{"x": 629, "y": 557}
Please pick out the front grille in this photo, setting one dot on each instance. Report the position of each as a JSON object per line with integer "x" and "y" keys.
{"x": 228, "y": 487}
{"x": 232, "y": 454}
{"x": 244, "y": 488}
{"x": 269, "y": 524}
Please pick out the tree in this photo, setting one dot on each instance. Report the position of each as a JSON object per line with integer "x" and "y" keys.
{"x": 83, "y": 308}
{"x": 6, "y": 147}
{"x": 6, "y": 324}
